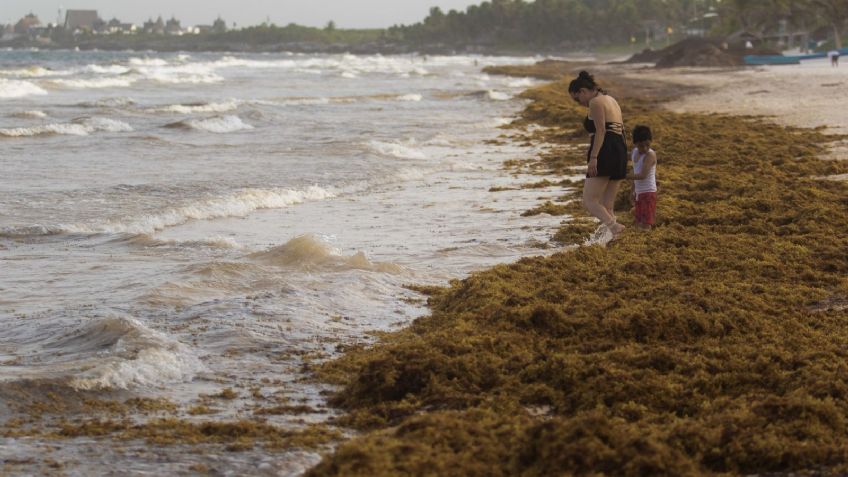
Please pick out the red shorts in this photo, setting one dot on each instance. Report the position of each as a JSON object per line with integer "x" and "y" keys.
{"x": 646, "y": 208}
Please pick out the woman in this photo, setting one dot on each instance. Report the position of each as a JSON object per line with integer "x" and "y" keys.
{"x": 607, "y": 153}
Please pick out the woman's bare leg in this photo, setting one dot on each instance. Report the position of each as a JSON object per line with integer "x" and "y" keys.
{"x": 608, "y": 198}
{"x": 608, "y": 201}
{"x": 593, "y": 194}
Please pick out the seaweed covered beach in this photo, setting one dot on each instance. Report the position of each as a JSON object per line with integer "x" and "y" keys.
{"x": 716, "y": 344}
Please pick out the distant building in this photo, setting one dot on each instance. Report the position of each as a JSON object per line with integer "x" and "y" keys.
{"x": 82, "y": 20}
{"x": 154, "y": 28}
{"x": 219, "y": 25}
{"x": 7, "y": 32}
{"x": 743, "y": 39}
{"x": 173, "y": 27}
{"x": 115, "y": 26}
{"x": 26, "y": 23}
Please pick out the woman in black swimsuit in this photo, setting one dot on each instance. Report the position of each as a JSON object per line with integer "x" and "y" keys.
{"x": 607, "y": 155}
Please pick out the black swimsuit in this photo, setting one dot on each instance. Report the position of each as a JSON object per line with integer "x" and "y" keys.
{"x": 612, "y": 158}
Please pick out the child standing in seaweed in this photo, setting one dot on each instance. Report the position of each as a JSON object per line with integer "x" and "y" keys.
{"x": 644, "y": 177}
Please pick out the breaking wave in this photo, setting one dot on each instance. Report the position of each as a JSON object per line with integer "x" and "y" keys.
{"x": 215, "y": 124}
{"x": 95, "y": 83}
{"x": 190, "y": 108}
{"x": 308, "y": 252}
{"x": 146, "y": 240}
{"x": 119, "y": 102}
{"x": 18, "y": 89}
{"x": 34, "y": 114}
{"x": 78, "y": 127}
{"x": 104, "y": 353}
{"x": 235, "y": 205}
{"x": 396, "y": 149}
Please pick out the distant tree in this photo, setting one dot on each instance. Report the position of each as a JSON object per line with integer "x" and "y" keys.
{"x": 834, "y": 13}
{"x": 331, "y": 26}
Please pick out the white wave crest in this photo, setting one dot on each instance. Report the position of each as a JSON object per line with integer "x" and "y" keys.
{"x": 33, "y": 114}
{"x": 410, "y": 97}
{"x": 201, "y": 107}
{"x": 185, "y": 73}
{"x": 498, "y": 95}
{"x": 211, "y": 242}
{"x": 521, "y": 83}
{"x": 95, "y": 83}
{"x": 107, "y": 70}
{"x": 34, "y": 72}
{"x": 216, "y": 124}
{"x": 18, "y": 89}
{"x": 236, "y": 205}
{"x": 148, "y": 62}
{"x": 294, "y": 101}
{"x": 118, "y": 102}
{"x": 395, "y": 149}
{"x": 79, "y": 127}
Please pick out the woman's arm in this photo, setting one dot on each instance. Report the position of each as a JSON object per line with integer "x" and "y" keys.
{"x": 596, "y": 110}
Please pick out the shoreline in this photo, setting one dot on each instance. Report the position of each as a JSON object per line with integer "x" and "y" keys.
{"x": 120, "y": 424}
{"x": 703, "y": 347}
{"x": 511, "y": 410}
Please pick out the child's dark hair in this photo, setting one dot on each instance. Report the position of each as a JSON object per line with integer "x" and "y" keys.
{"x": 642, "y": 133}
{"x": 583, "y": 80}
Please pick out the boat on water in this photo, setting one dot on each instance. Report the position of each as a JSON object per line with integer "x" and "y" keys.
{"x": 785, "y": 59}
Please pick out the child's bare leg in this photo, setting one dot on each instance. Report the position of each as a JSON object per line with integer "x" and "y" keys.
{"x": 593, "y": 194}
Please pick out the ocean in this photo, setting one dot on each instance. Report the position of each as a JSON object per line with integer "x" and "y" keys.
{"x": 172, "y": 225}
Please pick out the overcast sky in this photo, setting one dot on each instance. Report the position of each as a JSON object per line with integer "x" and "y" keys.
{"x": 346, "y": 13}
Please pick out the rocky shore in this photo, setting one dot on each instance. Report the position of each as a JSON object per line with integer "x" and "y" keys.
{"x": 713, "y": 345}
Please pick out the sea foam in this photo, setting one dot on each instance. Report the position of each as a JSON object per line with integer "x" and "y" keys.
{"x": 19, "y": 88}
{"x": 215, "y": 124}
{"x": 396, "y": 149}
{"x": 78, "y": 127}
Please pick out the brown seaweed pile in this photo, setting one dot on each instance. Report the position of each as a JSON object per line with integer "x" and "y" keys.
{"x": 546, "y": 69}
{"x": 716, "y": 344}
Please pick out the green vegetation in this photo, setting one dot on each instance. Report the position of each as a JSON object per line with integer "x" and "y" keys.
{"x": 264, "y": 34}
{"x": 518, "y": 25}
{"x": 713, "y": 345}
{"x": 256, "y": 38}
{"x": 591, "y": 23}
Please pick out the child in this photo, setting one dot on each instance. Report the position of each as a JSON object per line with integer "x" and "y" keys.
{"x": 644, "y": 177}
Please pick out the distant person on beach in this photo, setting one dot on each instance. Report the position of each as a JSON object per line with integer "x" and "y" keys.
{"x": 607, "y": 156}
{"x": 644, "y": 178}
{"x": 834, "y": 57}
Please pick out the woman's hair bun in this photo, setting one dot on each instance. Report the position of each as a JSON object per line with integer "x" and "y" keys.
{"x": 583, "y": 80}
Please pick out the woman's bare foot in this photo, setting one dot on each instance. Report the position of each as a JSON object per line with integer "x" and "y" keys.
{"x": 616, "y": 229}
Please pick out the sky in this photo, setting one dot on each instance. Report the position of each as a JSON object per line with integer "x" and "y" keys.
{"x": 345, "y": 13}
